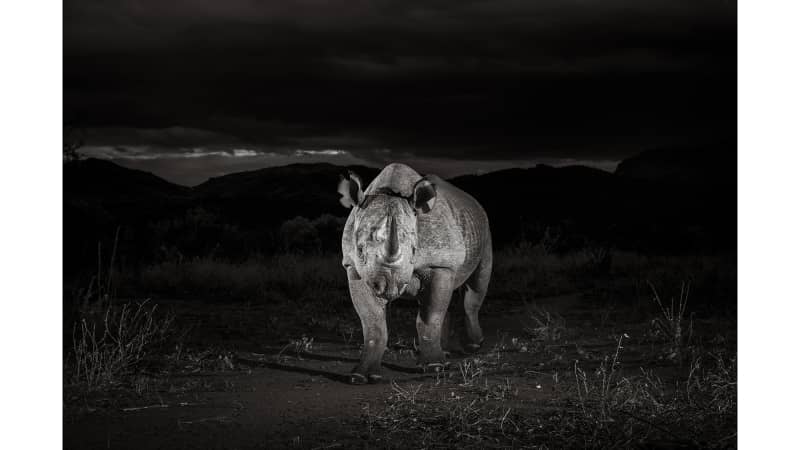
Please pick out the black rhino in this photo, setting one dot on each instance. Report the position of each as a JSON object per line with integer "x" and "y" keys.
{"x": 413, "y": 237}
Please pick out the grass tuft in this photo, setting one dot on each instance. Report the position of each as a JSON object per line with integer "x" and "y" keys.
{"x": 673, "y": 324}
{"x": 542, "y": 325}
{"x": 103, "y": 353}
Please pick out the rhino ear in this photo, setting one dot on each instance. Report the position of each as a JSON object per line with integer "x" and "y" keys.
{"x": 350, "y": 188}
{"x": 424, "y": 195}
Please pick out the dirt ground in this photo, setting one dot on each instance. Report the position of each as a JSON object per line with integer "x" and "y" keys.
{"x": 253, "y": 392}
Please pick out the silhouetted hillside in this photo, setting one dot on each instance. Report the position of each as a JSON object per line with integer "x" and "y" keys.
{"x": 587, "y": 205}
{"x": 240, "y": 214}
{"x": 547, "y": 191}
{"x": 712, "y": 164}
{"x": 100, "y": 196}
{"x": 272, "y": 195}
{"x": 523, "y": 203}
{"x": 128, "y": 194}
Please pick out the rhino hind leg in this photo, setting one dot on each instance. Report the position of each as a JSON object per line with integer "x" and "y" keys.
{"x": 474, "y": 294}
{"x": 431, "y": 318}
{"x": 473, "y": 339}
{"x": 449, "y": 327}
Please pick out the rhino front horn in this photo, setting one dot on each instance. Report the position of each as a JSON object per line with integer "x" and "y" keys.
{"x": 392, "y": 251}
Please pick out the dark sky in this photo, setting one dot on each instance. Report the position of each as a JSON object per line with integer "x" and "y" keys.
{"x": 191, "y": 89}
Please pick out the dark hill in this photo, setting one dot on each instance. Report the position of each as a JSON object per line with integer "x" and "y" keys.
{"x": 104, "y": 180}
{"x": 272, "y": 195}
{"x": 239, "y": 214}
{"x": 100, "y": 193}
{"x": 100, "y": 196}
{"x": 712, "y": 164}
{"x": 580, "y": 203}
{"x": 544, "y": 192}
{"x": 588, "y": 205}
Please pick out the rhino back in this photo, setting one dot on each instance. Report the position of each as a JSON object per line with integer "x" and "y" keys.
{"x": 396, "y": 177}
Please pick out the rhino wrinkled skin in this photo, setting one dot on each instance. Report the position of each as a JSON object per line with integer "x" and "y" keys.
{"x": 413, "y": 237}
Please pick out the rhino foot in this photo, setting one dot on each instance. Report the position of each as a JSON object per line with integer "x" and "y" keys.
{"x": 472, "y": 348}
{"x": 357, "y": 378}
{"x": 435, "y": 367}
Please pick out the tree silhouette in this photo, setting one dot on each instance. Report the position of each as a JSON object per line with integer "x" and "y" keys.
{"x": 73, "y": 139}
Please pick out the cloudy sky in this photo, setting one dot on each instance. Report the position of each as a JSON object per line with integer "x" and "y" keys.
{"x": 190, "y": 89}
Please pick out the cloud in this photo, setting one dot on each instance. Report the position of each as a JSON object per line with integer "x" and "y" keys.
{"x": 196, "y": 167}
{"x": 468, "y": 80}
{"x": 243, "y": 152}
{"x": 149, "y": 153}
{"x": 190, "y": 171}
{"x": 325, "y": 152}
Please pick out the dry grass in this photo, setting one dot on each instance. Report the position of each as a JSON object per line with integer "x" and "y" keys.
{"x": 543, "y": 325}
{"x": 673, "y": 323}
{"x": 606, "y": 406}
{"x": 466, "y": 405}
{"x": 594, "y": 392}
{"x": 429, "y": 416}
{"x": 528, "y": 270}
{"x": 105, "y": 352}
{"x": 697, "y": 410}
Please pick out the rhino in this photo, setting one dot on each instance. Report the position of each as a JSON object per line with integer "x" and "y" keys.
{"x": 417, "y": 237}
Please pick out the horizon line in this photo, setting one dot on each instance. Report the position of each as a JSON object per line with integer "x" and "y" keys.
{"x": 121, "y": 162}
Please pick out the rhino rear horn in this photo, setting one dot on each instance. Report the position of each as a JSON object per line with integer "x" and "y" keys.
{"x": 350, "y": 188}
{"x": 424, "y": 195}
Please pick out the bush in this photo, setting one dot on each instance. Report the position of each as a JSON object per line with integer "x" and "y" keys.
{"x": 292, "y": 276}
{"x": 329, "y": 229}
{"x": 299, "y": 235}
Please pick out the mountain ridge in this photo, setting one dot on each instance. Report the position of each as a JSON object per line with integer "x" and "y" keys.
{"x": 634, "y": 208}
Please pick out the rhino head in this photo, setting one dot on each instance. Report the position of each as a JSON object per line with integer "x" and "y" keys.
{"x": 385, "y": 233}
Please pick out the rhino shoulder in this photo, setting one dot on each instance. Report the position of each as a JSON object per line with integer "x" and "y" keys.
{"x": 441, "y": 243}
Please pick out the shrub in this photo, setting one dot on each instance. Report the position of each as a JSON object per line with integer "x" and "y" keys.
{"x": 281, "y": 276}
{"x": 299, "y": 235}
{"x": 329, "y": 229}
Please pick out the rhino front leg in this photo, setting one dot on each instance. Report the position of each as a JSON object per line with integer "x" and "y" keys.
{"x": 431, "y": 317}
{"x": 372, "y": 312}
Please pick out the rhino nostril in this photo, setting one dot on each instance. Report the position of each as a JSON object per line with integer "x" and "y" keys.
{"x": 379, "y": 286}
